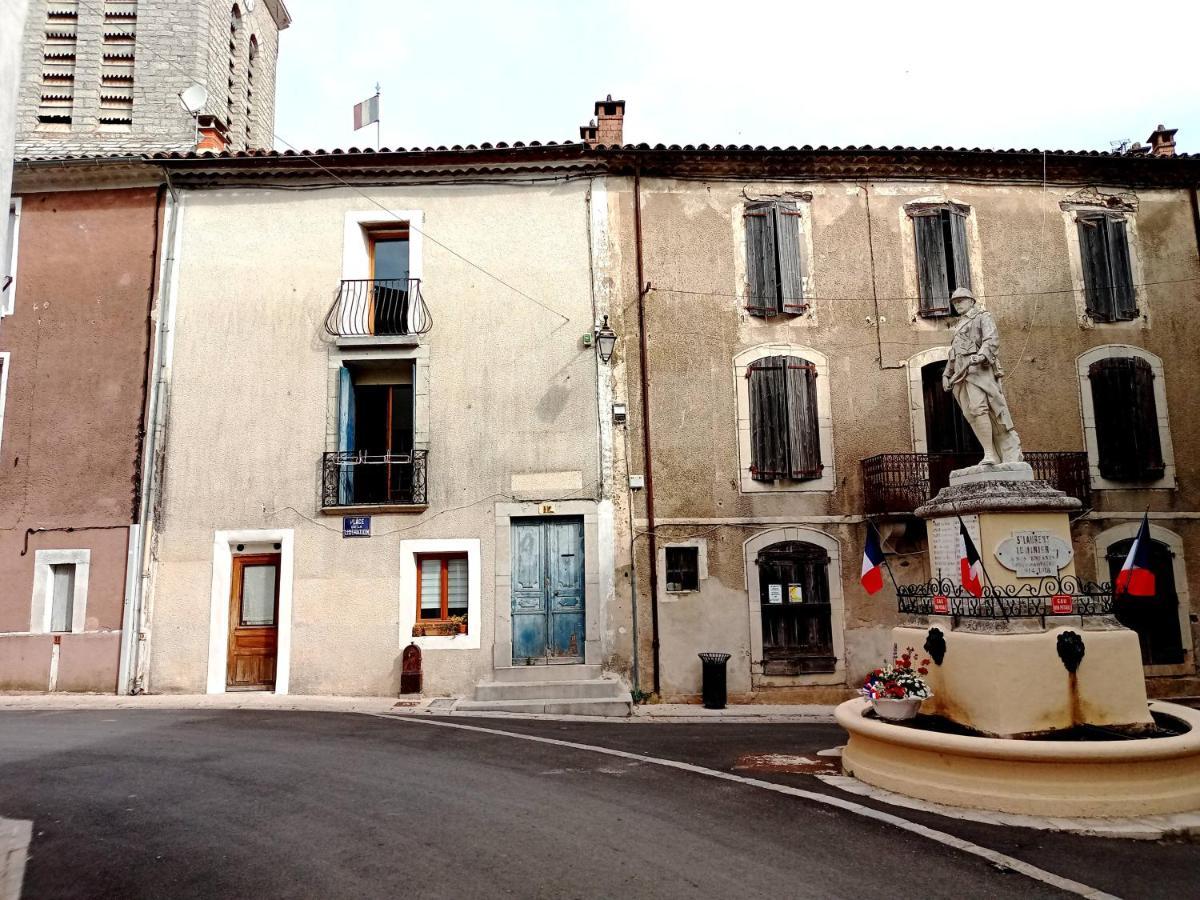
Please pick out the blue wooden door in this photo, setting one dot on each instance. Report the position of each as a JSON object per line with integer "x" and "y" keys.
{"x": 547, "y": 590}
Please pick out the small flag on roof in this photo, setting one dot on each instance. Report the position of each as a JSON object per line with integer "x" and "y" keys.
{"x": 1136, "y": 578}
{"x": 872, "y": 562}
{"x": 366, "y": 112}
{"x": 969, "y": 563}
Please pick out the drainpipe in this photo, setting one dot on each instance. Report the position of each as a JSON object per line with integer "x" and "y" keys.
{"x": 643, "y": 356}
{"x": 130, "y": 678}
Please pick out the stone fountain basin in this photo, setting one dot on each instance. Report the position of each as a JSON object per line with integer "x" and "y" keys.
{"x": 1118, "y": 778}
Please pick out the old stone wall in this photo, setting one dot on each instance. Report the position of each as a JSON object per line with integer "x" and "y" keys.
{"x": 862, "y": 318}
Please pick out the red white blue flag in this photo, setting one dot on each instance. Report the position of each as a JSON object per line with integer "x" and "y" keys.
{"x": 970, "y": 566}
{"x": 872, "y": 562}
{"x": 1136, "y": 578}
{"x": 366, "y": 112}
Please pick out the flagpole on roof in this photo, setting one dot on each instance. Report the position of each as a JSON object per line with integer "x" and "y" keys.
{"x": 378, "y": 139}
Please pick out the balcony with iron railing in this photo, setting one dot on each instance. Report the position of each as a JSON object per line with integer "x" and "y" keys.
{"x": 379, "y": 311}
{"x": 354, "y": 480}
{"x": 897, "y": 483}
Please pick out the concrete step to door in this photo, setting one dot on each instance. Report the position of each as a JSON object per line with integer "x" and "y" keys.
{"x": 572, "y": 672}
{"x": 542, "y": 690}
{"x": 586, "y": 706}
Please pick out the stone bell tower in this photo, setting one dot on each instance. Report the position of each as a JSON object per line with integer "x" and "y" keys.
{"x": 104, "y": 76}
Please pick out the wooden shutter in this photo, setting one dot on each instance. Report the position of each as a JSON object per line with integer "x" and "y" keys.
{"x": 1094, "y": 257}
{"x": 1119, "y": 270}
{"x": 761, "y": 267}
{"x": 768, "y": 418}
{"x": 804, "y": 434}
{"x": 932, "y": 276}
{"x": 1126, "y": 419}
{"x": 791, "y": 276}
{"x": 961, "y": 277}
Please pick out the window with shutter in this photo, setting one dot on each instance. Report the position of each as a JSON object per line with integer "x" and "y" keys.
{"x": 943, "y": 261}
{"x": 773, "y": 262}
{"x": 784, "y": 431}
{"x": 1107, "y": 272}
{"x": 1127, "y": 437}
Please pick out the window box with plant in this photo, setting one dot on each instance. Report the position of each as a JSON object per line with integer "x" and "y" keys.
{"x": 897, "y": 688}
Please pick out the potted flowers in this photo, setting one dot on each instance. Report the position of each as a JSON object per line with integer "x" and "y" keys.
{"x": 897, "y": 688}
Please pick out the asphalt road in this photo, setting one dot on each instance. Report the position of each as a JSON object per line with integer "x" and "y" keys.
{"x": 293, "y": 804}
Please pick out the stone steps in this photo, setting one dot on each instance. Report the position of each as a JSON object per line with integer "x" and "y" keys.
{"x": 572, "y": 690}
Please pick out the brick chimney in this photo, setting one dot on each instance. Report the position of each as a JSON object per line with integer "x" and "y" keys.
{"x": 213, "y": 135}
{"x": 608, "y": 128}
{"x": 1162, "y": 141}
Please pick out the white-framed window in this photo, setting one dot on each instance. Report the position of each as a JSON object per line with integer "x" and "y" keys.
{"x": 785, "y": 419}
{"x": 1104, "y": 252}
{"x": 682, "y": 566}
{"x": 940, "y": 238}
{"x": 796, "y": 606}
{"x": 1123, "y": 397}
{"x": 777, "y": 237}
{"x": 440, "y": 588}
{"x": 1160, "y": 621}
{"x": 60, "y": 587}
{"x": 8, "y": 277}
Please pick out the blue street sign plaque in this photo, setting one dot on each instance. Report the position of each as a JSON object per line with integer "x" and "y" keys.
{"x": 356, "y": 526}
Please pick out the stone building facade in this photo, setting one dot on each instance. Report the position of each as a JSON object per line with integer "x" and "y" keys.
{"x": 793, "y": 322}
{"x": 103, "y": 76}
{"x": 409, "y": 450}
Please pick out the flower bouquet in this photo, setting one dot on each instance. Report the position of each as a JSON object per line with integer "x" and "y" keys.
{"x": 897, "y": 688}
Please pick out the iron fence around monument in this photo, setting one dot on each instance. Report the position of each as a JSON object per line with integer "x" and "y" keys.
{"x": 1050, "y": 596}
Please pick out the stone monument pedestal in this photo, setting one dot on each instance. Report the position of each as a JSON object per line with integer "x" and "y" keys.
{"x": 1037, "y": 653}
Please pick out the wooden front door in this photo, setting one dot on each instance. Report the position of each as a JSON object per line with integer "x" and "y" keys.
{"x": 547, "y": 591}
{"x": 253, "y": 622}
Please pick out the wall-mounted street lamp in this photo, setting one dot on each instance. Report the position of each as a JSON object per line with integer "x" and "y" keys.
{"x": 606, "y": 340}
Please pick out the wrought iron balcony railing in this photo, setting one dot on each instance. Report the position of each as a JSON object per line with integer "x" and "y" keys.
{"x": 379, "y": 307}
{"x": 898, "y": 483}
{"x": 358, "y": 478}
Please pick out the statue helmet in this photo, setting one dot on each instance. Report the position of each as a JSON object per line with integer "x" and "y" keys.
{"x": 962, "y": 293}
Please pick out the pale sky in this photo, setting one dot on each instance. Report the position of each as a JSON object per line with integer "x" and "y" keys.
{"x": 1054, "y": 74}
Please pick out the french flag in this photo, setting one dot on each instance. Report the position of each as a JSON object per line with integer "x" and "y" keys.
{"x": 872, "y": 563}
{"x": 1136, "y": 578}
{"x": 969, "y": 564}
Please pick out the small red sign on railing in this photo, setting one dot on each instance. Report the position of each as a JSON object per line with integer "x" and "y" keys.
{"x": 1062, "y": 604}
{"x": 941, "y": 604}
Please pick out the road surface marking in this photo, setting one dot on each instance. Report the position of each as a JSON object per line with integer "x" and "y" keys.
{"x": 992, "y": 856}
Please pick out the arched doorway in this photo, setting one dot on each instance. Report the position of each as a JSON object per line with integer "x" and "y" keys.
{"x": 1155, "y": 619}
{"x": 949, "y": 440}
{"x": 797, "y": 632}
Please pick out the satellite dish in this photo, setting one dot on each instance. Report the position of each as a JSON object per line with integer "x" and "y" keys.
{"x": 194, "y": 98}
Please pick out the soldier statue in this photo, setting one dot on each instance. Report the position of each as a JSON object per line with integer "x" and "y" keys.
{"x": 974, "y": 375}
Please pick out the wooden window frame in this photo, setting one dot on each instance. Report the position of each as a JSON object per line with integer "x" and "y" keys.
{"x": 784, "y": 294}
{"x": 374, "y": 235}
{"x": 931, "y": 305}
{"x": 444, "y": 586}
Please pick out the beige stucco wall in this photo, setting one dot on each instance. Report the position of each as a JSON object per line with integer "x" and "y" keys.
{"x": 695, "y": 326}
{"x": 512, "y": 392}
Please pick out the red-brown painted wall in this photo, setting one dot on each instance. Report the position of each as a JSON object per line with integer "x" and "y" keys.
{"x": 69, "y": 446}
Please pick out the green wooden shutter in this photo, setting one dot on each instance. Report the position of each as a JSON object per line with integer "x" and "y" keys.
{"x": 761, "y": 267}
{"x": 1126, "y": 414}
{"x": 791, "y": 273}
{"x": 932, "y": 276}
{"x": 1119, "y": 269}
{"x": 804, "y": 433}
{"x": 768, "y": 419}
